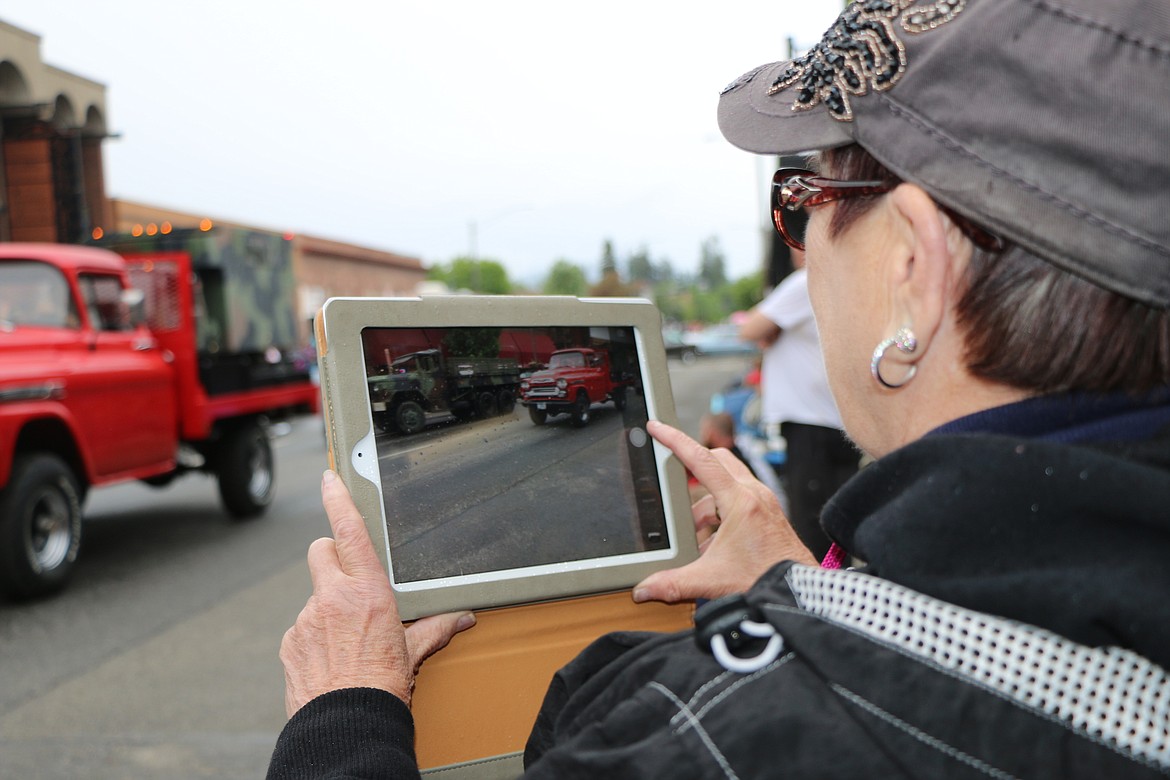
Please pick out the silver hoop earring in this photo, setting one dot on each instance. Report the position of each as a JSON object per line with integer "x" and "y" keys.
{"x": 906, "y": 342}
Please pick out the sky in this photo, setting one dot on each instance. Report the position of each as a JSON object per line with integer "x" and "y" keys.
{"x": 524, "y": 132}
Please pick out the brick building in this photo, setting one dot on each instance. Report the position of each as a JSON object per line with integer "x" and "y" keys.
{"x": 52, "y": 124}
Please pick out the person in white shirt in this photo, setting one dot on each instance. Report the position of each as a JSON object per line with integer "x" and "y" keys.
{"x": 796, "y": 399}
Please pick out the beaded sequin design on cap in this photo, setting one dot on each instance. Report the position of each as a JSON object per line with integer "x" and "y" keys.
{"x": 861, "y": 51}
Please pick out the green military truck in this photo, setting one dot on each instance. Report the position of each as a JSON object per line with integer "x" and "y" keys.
{"x": 420, "y": 386}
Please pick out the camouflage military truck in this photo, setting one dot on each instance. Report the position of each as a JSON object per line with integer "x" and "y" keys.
{"x": 243, "y": 297}
{"x": 418, "y": 386}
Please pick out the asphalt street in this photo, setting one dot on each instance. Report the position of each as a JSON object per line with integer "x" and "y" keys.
{"x": 160, "y": 658}
{"x": 513, "y": 494}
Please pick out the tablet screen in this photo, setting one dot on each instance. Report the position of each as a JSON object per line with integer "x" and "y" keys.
{"x": 511, "y": 451}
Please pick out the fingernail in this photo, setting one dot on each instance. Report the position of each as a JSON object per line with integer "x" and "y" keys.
{"x": 465, "y": 622}
{"x": 328, "y": 476}
{"x": 640, "y": 595}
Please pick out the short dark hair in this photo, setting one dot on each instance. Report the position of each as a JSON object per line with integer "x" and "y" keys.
{"x": 1029, "y": 324}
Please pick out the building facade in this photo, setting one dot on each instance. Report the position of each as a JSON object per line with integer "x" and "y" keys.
{"x": 52, "y": 123}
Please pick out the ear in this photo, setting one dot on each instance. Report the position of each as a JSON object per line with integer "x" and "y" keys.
{"x": 923, "y": 272}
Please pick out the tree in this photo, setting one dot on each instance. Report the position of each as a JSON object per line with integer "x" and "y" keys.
{"x": 640, "y": 267}
{"x": 670, "y": 302}
{"x": 481, "y": 276}
{"x": 473, "y": 342}
{"x": 565, "y": 278}
{"x": 711, "y": 264}
{"x": 612, "y": 286}
{"x": 608, "y": 260}
{"x": 747, "y": 291}
{"x": 664, "y": 271}
{"x": 710, "y": 306}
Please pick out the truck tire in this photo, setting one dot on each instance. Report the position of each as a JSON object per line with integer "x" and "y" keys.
{"x": 244, "y": 468}
{"x": 40, "y": 526}
{"x": 580, "y": 414}
{"x": 410, "y": 417}
{"x": 485, "y": 404}
{"x": 506, "y": 401}
{"x": 538, "y": 416}
{"x": 384, "y": 421}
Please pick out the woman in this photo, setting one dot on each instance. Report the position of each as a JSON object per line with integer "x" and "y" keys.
{"x": 989, "y": 268}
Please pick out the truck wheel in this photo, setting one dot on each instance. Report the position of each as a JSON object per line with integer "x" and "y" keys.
{"x": 244, "y": 468}
{"x": 506, "y": 401}
{"x": 410, "y": 417}
{"x": 538, "y": 416}
{"x": 384, "y": 421}
{"x": 485, "y": 404}
{"x": 580, "y": 414}
{"x": 40, "y": 526}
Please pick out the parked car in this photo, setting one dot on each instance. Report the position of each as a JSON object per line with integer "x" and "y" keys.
{"x": 720, "y": 340}
{"x": 679, "y": 349}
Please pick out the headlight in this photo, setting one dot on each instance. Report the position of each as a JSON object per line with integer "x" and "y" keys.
{"x": 524, "y": 385}
{"x": 562, "y": 384}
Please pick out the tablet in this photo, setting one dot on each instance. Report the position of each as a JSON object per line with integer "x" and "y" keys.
{"x": 497, "y": 447}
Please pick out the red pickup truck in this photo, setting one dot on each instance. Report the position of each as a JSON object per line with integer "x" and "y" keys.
{"x": 137, "y": 364}
{"x": 574, "y": 380}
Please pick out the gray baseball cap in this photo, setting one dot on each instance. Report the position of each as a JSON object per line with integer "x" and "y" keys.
{"x": 1046, "y": 121}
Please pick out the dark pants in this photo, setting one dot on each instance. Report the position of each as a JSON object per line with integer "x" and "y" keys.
{"x": 819, "y": 461}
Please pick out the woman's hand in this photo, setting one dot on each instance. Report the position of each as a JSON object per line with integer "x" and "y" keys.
{"x": 752, "y": 532}
{"x": 349, "y": 634}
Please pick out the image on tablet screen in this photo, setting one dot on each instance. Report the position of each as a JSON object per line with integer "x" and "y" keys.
{"x": 509, "y": 448}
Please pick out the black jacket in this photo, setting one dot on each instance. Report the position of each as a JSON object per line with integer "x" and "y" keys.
{"x": 1009, "y": 623}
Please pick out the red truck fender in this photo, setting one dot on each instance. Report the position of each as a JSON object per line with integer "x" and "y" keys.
{"x": 42, "y": 425}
